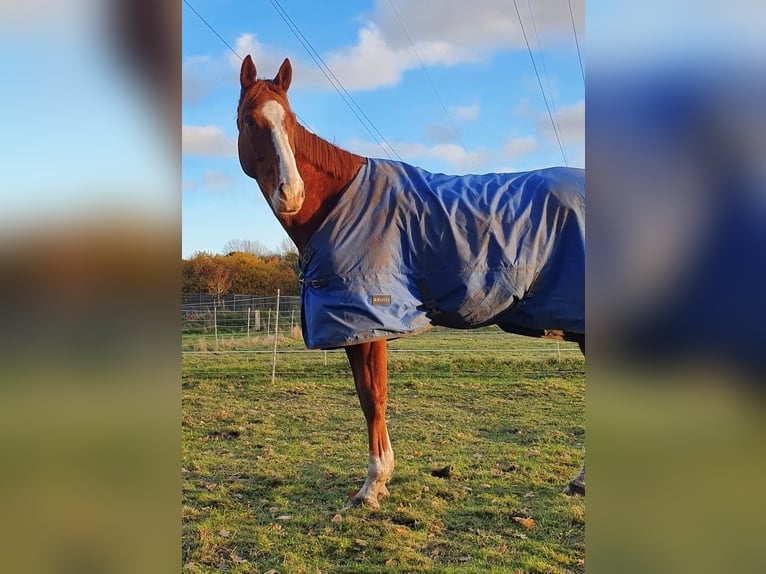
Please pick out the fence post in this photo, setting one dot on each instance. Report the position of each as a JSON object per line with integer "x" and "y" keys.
{"x": 268, "y": 324}
{"x": 292, "y": 321}
{"x": 276, "y": 338}
{"x": 257, "y": 320}
{"x": 248, "y": 324}
{"x": 215, "y": 326}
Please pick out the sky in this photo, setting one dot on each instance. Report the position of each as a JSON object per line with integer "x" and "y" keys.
{"x": 449, "y": 85}
{"x": 67, "y": 153}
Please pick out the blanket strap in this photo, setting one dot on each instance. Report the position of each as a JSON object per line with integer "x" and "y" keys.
{"x": 315, "y": 283}
{"x": 305, "y": 257}
{"x": 432, "y": 309}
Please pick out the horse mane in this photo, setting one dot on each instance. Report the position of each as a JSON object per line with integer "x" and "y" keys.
{"x": 324, "y": 155}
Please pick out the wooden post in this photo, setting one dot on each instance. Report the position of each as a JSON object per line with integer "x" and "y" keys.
{"x": 248, "y": 324}
{"x": 276, "y": 338}
{"x": 257, "y": 320}
{"x": 292, "y": 321}
{"x": 268, "y": 323}
{"x": 215, "y": 326}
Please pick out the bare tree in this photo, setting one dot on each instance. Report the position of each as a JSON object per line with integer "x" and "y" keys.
{"x": 287, "y": 247}
{"x": 251, "y": 246}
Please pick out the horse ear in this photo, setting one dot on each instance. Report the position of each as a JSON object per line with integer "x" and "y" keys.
{"x": 284, "y": 75}
{"x": 247, "y": 75}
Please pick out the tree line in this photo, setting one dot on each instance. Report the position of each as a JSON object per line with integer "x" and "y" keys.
{"x": 246, "y": 268}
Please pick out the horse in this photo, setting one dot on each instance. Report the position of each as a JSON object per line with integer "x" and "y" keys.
{"x": 346, "y": 215}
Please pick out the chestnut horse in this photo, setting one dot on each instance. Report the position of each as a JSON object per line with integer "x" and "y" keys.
{"x": 303, "y": 178}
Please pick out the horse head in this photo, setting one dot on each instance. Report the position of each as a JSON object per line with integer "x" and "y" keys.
{"x": 266, "y": 137}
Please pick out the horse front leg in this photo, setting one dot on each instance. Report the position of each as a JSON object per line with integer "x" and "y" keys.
{"x": 369, "y": 367}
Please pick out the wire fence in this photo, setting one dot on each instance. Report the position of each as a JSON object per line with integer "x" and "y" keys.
{"x": 205, "y": 302}
{"x": 243, "y": 317}
{"x": 268, "y": 330}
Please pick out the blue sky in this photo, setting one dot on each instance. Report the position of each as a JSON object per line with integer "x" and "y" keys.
{"x": 88, "y": 160}
{"x": 476, "y": 64}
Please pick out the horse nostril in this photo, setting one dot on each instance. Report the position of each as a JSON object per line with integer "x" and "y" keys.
{"x": 288, "y": 197}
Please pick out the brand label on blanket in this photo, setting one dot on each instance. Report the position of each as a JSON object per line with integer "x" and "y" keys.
{"x": 380, "y": 299}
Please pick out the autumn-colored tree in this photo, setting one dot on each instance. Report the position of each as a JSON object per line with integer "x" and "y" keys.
{"x": 194, "y": 272}
{"x": 249, "y": 273}
{"x": 241, "y": 273}
{"x": 205, "y": 273}
{"x": 219, "y": 279}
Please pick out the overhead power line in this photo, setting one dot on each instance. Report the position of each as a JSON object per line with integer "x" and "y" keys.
{"x": 577, "y": 42}
{"x": 430, "y": 81}
{"x": 545, "y": 69}
{"x": 213, "y": 30}
{"x": 336, "y": 83}
{"x": 539, "y": 81}
{"x": 233, "y": 51}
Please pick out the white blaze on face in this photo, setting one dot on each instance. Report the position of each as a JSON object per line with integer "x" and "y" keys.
{"x": 289, "y": 178}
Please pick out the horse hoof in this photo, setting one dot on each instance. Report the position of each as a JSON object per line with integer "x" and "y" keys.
{"x": 367, "y": 501}
{"x": 370, "y": 502}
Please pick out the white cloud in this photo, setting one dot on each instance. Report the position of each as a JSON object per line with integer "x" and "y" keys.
{"x": 458, "y": 31}
{"x": 470, "y": 28}
{"x": 267, "y": 60}
{"x": 371, "y": 63}
{"x": 466, "y": 113}
{"x": 440, "y": 133}
{"x": 406, "y": 150}
{"x": 517, "y": 147}
{"x": 204, "y": 73}
{"x": 245, "y": 44}
{"x": 456, "y": 157}
{"x": 207, "y": 141}
{"x": 201, "y": 74}
{"x": 571, "y": 124}
{"x": 212, "y": 180}
{"x": 446, "y": 134}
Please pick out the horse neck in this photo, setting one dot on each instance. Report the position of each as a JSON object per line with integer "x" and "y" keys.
{"x": 326, "y": 170}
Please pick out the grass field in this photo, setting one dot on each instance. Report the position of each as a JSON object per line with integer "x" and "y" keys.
{"x": 268, "y": 468}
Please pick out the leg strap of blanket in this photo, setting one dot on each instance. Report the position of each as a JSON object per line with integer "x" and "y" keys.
{"x": 432, "y": 309}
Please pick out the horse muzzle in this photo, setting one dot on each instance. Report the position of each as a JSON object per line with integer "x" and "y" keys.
{"x": 288, "y": 198}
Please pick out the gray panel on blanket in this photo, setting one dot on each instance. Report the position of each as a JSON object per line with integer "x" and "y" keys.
{"x": 404, "y": 249}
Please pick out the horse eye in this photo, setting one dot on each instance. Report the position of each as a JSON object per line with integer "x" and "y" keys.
{"x": 249, "y": 121}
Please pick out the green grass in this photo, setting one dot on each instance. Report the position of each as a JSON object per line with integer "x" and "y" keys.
{"x": 267, "y": 468}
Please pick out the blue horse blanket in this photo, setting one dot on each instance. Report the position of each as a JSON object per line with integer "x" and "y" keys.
{"x": 404, "y": 249}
